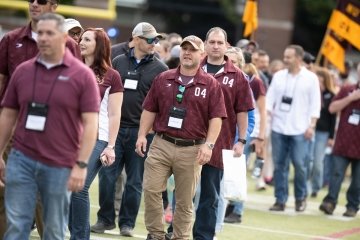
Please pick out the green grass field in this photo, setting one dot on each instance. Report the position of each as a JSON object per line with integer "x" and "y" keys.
{"x": 259, "y": 223}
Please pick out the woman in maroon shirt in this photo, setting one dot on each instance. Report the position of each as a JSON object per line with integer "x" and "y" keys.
{"x": 95, "y": 50}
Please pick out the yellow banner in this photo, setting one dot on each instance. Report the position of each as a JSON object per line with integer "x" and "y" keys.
{"x": 345, "y": 28}
{"x": 334, "y": 52}
{"x": 250, "y": 17}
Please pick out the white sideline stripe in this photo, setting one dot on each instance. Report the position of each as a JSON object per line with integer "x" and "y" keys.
{"x": 281, "y": 232}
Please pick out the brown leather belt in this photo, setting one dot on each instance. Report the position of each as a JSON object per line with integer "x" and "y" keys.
{"x": 181, "y": 142}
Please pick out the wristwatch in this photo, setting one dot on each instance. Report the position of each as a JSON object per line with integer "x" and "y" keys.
{"x": 110, "y": 146}
{"x": 81, "y": 164}
{"x": 210, "y": 145}
{"x": 243, "y": 141}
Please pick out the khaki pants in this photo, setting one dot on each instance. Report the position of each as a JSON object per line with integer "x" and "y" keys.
{"x": 165, "y": 158}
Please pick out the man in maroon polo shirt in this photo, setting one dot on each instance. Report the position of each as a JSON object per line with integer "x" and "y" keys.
{"x": 54, "y": 113}
{"x": 238, "y": 101}
{"x": 18, "y": 46}
{"x": 185, "y": 106}
{"x": 346, "y": 150}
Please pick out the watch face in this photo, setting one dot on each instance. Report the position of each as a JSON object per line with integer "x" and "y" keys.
{"x": 211, "y": 145}
{"x": 81, "y": 164}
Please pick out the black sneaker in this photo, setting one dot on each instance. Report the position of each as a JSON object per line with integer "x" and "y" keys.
{"x": 300, "y": 205}
{"x": 100, "y": 227}
{"x": 233, "y": 218}
{"x": 277, "y": 207}
{"x": 327, "y": 207}
{"x": 350, "y": 212}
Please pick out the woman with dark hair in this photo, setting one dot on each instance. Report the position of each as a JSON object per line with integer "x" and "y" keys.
{"x": 95, "y": 50}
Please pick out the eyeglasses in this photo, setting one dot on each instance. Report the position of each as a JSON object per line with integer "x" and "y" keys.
{"x": 74, "y": 34}
{"x": 180, "y": 95}
{"x": 150, "y": 40}
{"x": 40, "y": 2}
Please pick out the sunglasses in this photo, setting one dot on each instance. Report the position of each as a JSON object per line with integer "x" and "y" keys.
{"x": 74, "y": 34}
{"x": 150, "y": 40}
{"x": 180, "y": 95}
{"x": 40, "y": 2}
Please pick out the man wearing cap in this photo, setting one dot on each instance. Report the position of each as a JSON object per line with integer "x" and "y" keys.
{"x": 18, "y": 46}
{"x": 185, "y": 107}
{"x": 138, "y": 68}
{"x": 74, "y": 28}
{"x": 238, "y": 101}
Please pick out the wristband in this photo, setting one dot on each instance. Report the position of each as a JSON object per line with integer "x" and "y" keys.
{"x": 243, "y": 141}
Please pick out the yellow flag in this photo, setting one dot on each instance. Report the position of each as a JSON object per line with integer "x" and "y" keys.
{"x": 250, "y": 17}
{"x": 334, "y": 52}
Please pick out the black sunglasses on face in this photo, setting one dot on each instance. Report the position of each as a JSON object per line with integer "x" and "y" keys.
{"x": 180, "y": 95}
{"x": 40, "y": 2}
{"x": 150, "y": 40}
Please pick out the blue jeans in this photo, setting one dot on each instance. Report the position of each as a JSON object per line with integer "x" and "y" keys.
{"x": 284, "y": 148}
{"x": 205, "y": 221}
{"x": 317, "y": 170}
{"x": 79, "y": 225}
{"x": 339, "y": 166}
{"x": 134, "y": 168}
{"x": 25, "y": 178}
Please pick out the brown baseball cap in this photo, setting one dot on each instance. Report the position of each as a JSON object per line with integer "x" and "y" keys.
{"x": 195, "y": 41}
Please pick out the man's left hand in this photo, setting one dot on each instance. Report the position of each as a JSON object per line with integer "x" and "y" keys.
{"x": 77, "y": 178}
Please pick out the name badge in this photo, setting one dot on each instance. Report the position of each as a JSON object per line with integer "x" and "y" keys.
{"x": 285, "y": 104}
{"x": 130, "y": 84}
{"x": 354, "y": 118}
{"x": 176, "y": 117}
{"x": 36, "y": 116}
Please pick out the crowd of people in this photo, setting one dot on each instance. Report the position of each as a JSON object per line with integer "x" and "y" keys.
{"x": 159, "y": 107}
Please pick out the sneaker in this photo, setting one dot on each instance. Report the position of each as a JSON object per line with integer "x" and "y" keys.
{"x": 168, "y": 236}
{"x": 260, "y": 185}
{"x": 300, "y": 205}
{"x": 350, "y": 212}
{"x": 327, "y": 207}
{"x": 233, "y": 218}
{"x": 126, "y": 231}
{"x": 277, "y": 207}
{"x": 100, "y": 227}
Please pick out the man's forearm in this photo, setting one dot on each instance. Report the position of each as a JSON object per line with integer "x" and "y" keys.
{"x": 8, "y": 119}
{"x": 214, "y": 129}
{"x": 242, "y": 121}
{"x": 146, "y": 122}
{"x": 90, "y": 123}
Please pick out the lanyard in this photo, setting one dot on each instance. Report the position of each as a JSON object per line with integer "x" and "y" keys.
{"x": 52, "y": 86}
{"x": 295, "y": 84}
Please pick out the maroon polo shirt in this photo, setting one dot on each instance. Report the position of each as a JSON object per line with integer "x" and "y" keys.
{"x": 203, "y": 100}
{"x": 113, "y": 81}
{"x": 257, "y": 87}
{"x": 238, "y": 98}
{"x": 18, "y": 46}
{"x": 72, "y": 95}
{"x": 348, "y": 135}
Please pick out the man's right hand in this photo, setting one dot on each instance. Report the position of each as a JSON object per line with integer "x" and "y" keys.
{"x": 2, "y": 172}
{"x": 141, "y": 146}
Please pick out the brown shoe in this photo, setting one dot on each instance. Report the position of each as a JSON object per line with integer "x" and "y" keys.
{"x": 300, "y": 205}
{"x": 350, "y": 212}
{"x": 327, "y": 207}
{"x": 278, "y": 207}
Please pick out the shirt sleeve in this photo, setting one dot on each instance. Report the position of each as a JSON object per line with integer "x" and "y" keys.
{"x": 315, "y": 98}
{"x": 4, "y": 55}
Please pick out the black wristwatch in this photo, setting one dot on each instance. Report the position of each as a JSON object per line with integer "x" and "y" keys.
{"x": 243, "y": 141}
{"x": 81, "y": 164}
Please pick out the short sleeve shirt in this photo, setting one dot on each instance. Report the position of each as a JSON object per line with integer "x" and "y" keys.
{"x": 75, "y": 91}
{"x": 202, "y": 99}
{"x": 18, "y": 46}
{"x": 111, "y": 84}
{"x": 348, "y": 135}
{"x": 238, "y": 98}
